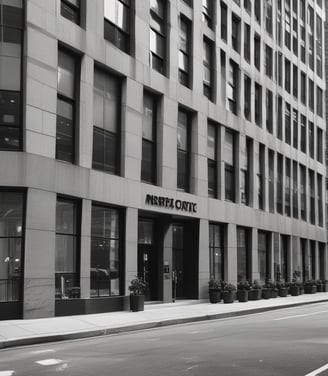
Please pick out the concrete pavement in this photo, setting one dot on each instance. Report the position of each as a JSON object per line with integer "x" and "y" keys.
{"x": 28, "y": 332}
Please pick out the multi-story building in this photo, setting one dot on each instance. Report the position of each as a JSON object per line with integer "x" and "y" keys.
{"x": 177, "y": 140}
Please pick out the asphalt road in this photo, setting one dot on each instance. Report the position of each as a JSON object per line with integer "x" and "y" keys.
{"x": 291, "y": 342}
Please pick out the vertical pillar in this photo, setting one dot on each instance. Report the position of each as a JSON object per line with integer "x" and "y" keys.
{"x": 231, "y": 254}
{"x": 39, "y": 268}
{"x": 270, "y": 255}
{"x": 203, "y": 259}
{"x": 167, "y": 260}
{"x": 131, "y": 244}
{"x": 85, "y": 248}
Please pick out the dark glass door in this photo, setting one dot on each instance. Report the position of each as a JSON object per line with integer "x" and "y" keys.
{"x": 178, "y": 282}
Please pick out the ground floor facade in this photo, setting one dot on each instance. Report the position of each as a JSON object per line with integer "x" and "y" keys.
{"x": 73, "y": 239}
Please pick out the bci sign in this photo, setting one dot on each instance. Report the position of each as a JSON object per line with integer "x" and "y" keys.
{"x": 171, "y": 203}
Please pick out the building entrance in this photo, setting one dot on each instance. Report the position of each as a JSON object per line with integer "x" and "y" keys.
{"x": 178, "y": 281}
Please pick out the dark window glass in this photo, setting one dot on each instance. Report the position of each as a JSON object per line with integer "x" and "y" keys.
{"x": 295, "y": 189}
{"x": 148, "y": 161}
{"x": 229, "y": 165}
{"x": 117, "y": 23}
{"x": 271, "y": 181}
{"x": 303, "y": 192}
{"x": 258, "y": 105}
{"x": 233, "y": 87}
{"x": 67, "y": 257}
{"x": 212, "y": 159}
{"x": 279, "y": 184}
{"x": 224, "y": 20}
{"x": 287, "y": 186}
{"x": 287, "y": 124}
{"x": 243, "y": 255}
{"x": 208, "y": 69}
{"x": 279, "y": 118}
{"x": 216, "y": 248}
{"x": 70, "y": 9}
{"x": 312, "y": 197}
{"x": 320, "y": 200}
{"x": 184, "y": 51}
{"x": 66, "y": 101}
{"x": 263, "y": 255}
{"x": 105, "y": 274}
{"x": 235, "y": 33}
{"x": 257, "y": 52}
{"x": 247, "y": 42}
{"x": 11, "y": 241}
{"x": 303, "y": 133}
{"x": 269, "y": 111}
{"x": 10, "y": 121}
{"x": 208, "y": 12}
{"x": 157, "y": 35}
{"x": 183, "y": 150}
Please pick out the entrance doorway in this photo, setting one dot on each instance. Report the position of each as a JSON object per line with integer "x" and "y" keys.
{"x": 147, "y": 258}
{"x": 178, "y": 280}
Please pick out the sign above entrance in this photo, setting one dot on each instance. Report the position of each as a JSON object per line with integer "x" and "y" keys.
{"x": 171, "y": 203}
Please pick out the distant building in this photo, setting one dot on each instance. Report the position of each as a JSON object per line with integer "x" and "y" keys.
{"x": 174, "y": 140}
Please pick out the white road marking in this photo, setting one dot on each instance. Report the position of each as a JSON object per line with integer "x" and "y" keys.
{"x": 195, "y": 332}
{"x": 305, "y": 314}
{"x": 7, "y": 373}
{"x": 48, "y": 362}
{"x": 318, "y": 371}
{"x": 42, "y": 351}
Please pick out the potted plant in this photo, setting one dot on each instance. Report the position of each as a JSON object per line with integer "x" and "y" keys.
{"x": 282, "y": 289}
{"x": 319, "y": 285}
{"x": 214, "y": 290}
{"x": 137, "y": 294}
{"x": 267, "y": 288}
{"x": 242, "y": 291}
{"x": 325, "y": 285}
{"x": 255, "y": 292}
{"x": 310, "y": 287}
{"x": 295, "y": 288}
{"x": 228, "y": 292}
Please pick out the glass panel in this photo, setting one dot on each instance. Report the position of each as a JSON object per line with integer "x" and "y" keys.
{"x": 105, "y": 222}
{"x": 10, "y": 73}
{"x": 104, "y": 155}
{"x": 147, "y": 119}
{"x": 99, "y": 273}
{"x": 9, "y": 138}
{"x": 183, "y": 35}
{"x": 145, "y": 232}
{"x": 66, "y": 74}
{"x": 157, "y": 43}
{"x": 211, "y": 142}
{"x": 177, "y": 236}
{"x": 110, "y": 10}
{"x": 64, "y": 131}
{"x": 182, "y": 130}
{"x": 157, "y": 7}
{"x": 148, "y": 161}
{"x": 65, "y": 254}
{"x": 228, "y": 148}
{"x": 183, "y": 61}
{"x": 65, "y": 217}
{"x": 9, "y": 108}
{"x": 182, "y": 182}
{"x": 114, "y": 267}
{"x": 122, "y": 17}
{"x": 12, "y": 15}
{"x": 11, "y": 213}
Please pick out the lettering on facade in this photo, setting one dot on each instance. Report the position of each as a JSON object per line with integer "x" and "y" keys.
{"x": 171, "y": 203}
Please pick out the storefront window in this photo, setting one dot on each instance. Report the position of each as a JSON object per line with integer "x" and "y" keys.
{"x": 242, "y": 254}
{"x": 67, "y": 257}
{"x": 105, "y": 252}
{"x": 216, "y": 249}
{"x": 11, "y": 232}
{"x": 263, "y": 255}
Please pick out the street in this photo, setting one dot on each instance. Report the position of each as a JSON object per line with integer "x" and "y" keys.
{"x": 290, "y": 342}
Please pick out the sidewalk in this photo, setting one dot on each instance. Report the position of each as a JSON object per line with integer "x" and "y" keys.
{"x": 28, "y": 332}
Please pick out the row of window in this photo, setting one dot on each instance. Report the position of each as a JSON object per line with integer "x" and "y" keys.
{"x": 276, "y": 261}
{"x": 291, "y": 187}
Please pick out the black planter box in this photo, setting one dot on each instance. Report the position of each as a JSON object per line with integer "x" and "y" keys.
{"x": 255, "y": 294}
{"x": 229, "y": 296}
{"x": 242, "y": 296}
{"x": 266, "y": 293}
{"x": 214, "y": 295}
{"x": 137, "y": 303}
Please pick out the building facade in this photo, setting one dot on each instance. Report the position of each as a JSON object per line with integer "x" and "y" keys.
{"x": 175, "y": 140}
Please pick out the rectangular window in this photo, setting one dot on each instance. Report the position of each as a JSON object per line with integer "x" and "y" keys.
{"x": 70, "y": 9}
{"x": 11, "y": 40}
{"x": 66, "y": 106}
{"x": 208, "y": 69}
{"x": 67, "y": 249}
{"x": 257, "y": 10}
{"x": 212, "y": 166}
{"x": 268, "y": 16}
{"x": 229, "y": 165}
{"x": 243, "y": 254}
{"x": 185, "y": 52}
{"x": 311, "y": 95}
{"x": 235, "y": 33}
{"x": 106, "y": 122}
{"x": 106, "y": 258}
{"x": 319, "y": 145}
{"x": 303, "y": 192}
{"x": 117, "y": 23}
{"x": 247, "y": 98}
{"x": 279, "y": 118}
{"x": 245, "y": 172}
{"x": 303, "y": 88}
{"x": 295, "y": 190}
{"x": 320, "y": 200}
{"x": 263, "y": 255}
{"x": 295, "y": 30}
{"x": 319, "y": 102}
{"x": 279, "y": 70}
{"x": 287, "y": 75}
{"x": 149, "y": 121}
{"x": 258, "y": 104}
{"x": 268, "y": 61}
{"x": 158, "y": 35}
{"x": 257, "y": 52}
{"x": 303, "y": 133}
{"x": 312, "y": 197}
{"x": 183, "y": 150}
{"x": 271, "y": 181}
{"x": 280, "y": 183}
{"x": 247, "y": 42}
{"x": 319, "y": 36}
{"x": 287, "y": 186}
{"x": 311, "y": 139}
{"x": 295, "y": 129}
{"x": 287, "y": 24}
{"x": 295, "y": 81}
{"x": 233, "y": 87}
{"x": 279, "y": 25}
{"x": 208, "y": 12}
{"x": 224, "y": 21}
{"x": 310, "y": 28}
{"x": 248, "y": 5}
{"x": 287, "y": 124}
{"x": 216, "y": 249}
{"x": 11, "y": 245}
{"x": 261, "y": 177}
{"x": 269, "y": 111}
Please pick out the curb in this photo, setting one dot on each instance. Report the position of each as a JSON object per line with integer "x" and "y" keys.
{"x": 144, "y": 326}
